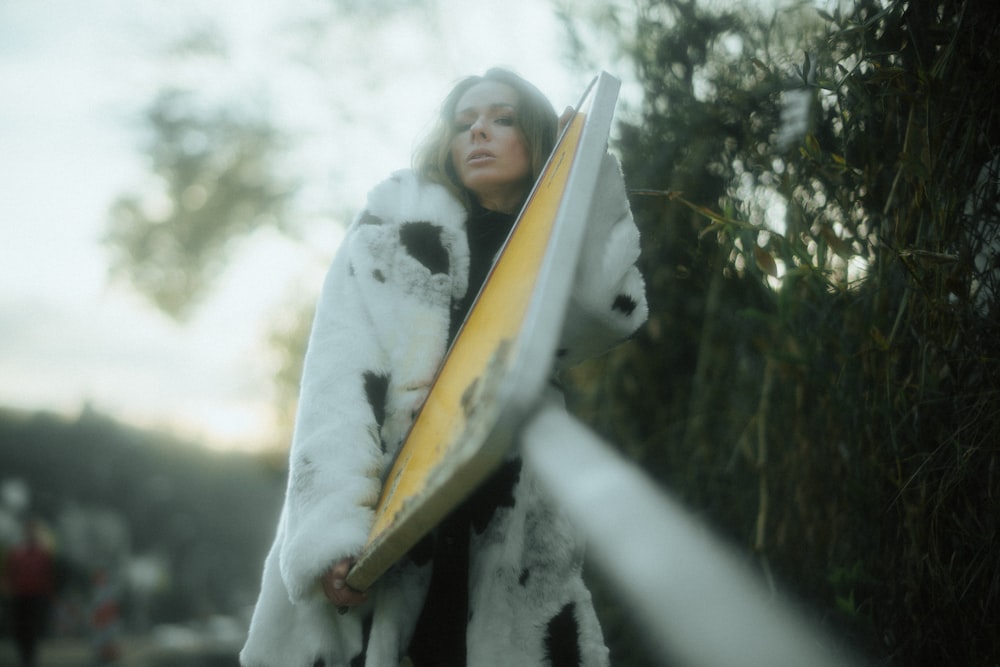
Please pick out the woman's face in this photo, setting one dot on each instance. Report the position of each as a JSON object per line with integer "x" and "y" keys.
{"x": 488, "y": 149}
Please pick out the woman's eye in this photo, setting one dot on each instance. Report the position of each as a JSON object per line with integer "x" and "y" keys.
{"x": 505, "y": 120}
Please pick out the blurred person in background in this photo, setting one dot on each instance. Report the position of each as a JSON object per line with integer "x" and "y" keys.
{"x": 29, "y": 580}
{"x": 105, "y": 619}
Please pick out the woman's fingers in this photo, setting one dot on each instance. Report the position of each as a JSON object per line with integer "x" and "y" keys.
{"x": 335, "y": 585}
{"x": 565, "y": 118}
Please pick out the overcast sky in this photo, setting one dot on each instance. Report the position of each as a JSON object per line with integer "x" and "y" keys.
{"x": 74, "y": 75}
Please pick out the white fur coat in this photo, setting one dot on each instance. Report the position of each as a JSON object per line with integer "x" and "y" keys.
{"x": 379, "y": 335}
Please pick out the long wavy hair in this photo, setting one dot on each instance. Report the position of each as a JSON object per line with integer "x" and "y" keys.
{"x": 536, "y": 118}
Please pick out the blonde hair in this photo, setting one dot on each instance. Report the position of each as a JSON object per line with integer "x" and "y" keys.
{"x": 536, "y": 118}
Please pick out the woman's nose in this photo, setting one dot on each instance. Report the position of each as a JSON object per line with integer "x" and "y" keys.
{"x": 478, "y": 128}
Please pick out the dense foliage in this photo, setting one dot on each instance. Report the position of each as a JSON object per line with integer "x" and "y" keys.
{"x": 820, "y": 374}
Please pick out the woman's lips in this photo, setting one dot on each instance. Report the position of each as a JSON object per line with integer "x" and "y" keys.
{"x": 475, "y": 156}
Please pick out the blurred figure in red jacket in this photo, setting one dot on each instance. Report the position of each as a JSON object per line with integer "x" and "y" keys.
{"x": 30, "y": 581}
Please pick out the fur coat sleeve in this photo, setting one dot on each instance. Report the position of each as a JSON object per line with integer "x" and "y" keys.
{"x": 379, "y": 333}
{"x": 608, "y": 303}
{"x": 378, "y": 337}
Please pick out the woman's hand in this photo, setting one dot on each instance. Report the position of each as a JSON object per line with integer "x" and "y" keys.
{"x": 335, "y": 585}
{"x": 565, "y": 118}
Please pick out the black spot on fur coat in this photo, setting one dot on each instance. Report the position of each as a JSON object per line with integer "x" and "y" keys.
{"x": 379, "y": 335}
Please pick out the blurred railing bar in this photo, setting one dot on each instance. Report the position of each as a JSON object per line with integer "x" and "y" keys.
{"x": 696, "y": 602}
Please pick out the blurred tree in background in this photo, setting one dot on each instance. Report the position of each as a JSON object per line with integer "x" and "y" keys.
{"x": 820, "y": 374}
{"x": 213, "y": 181}
{"x": 181, "y": 528}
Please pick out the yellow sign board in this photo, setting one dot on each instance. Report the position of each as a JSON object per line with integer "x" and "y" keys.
{"x": 500, "y": 360}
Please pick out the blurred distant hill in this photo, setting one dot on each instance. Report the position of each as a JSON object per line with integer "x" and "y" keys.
{"x": 188, "y": 525}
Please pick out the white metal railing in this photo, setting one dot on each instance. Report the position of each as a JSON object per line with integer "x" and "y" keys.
{"x": 697, "y": 604}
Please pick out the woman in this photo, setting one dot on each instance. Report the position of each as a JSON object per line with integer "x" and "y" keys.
{"x": 499, "y": 581}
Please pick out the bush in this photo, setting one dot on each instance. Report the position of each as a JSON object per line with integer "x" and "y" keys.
{"x": 819, "y": 377}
